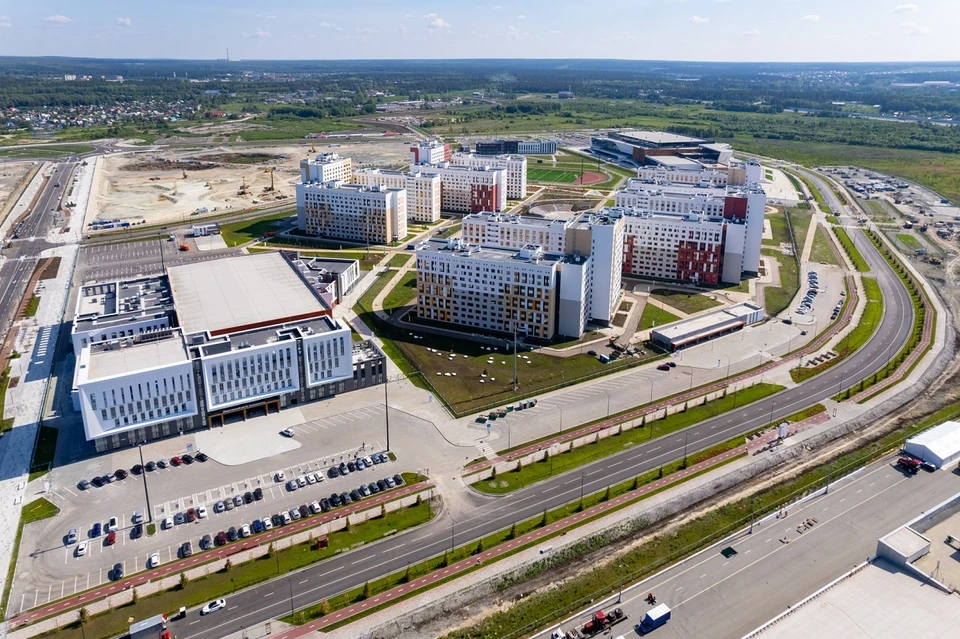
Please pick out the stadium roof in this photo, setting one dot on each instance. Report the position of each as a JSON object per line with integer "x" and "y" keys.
{"x": 240, "y": 293}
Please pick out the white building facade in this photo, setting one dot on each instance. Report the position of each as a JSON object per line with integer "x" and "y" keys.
{"x": 429, "y": 152}
{"x": 326, "y": 167}
{"x": 515, "y": 165}
{"x": 469, "y": 189}
{"x": 423, "y": 190}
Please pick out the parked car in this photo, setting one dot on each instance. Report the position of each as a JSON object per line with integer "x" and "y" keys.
{"x": 304, "y": 510}
{"x": 206, "y": 542}
{"x": 310, "y": 478}
{"x": 301, "y": 481}
{"x": 315, "y": 507}
{"x": 201, "y": 511}
{"x": 168, "y": 523}
{"x": 110, "y": 539}
{"x": 81, "y": 549}
{"x": 279, "y": 477}
{"x": 137, "y": 469}
{"x": 335, "y": 500}
{"x": 345, "y": 498}
{"x": 663, "y": 367}
{"x": 258, "y": 494}
{"x": 187, "y": 459}
{"x": 186, "y": 549}
{"x": 333, "y": 472}
{"x": 153, "y": 560}
{"x": 136, "y": 532}
{"x": 352, "y": 466}
{"x": 277, "y": 520}
{"x": 285, "y": 517}
{"x": 355, "y": 495}
{"x": 220, "y": 539}
{"x": 592, "y": 353}
{"x": 390, "y": 482}
{"x": 325, "y": 505}
{"x": 364, "y": 490}
{"x": 287, "y": 432}
{"x": 245, "y": 530}
{"x": 219, "y": 507}
{"x": 117, "y": 572}
{"x": 175, "y": 461}
{"x": 191, "y": 515}
{"x": 112, "y": 524}
{"x": 248, "y": 497}
{"x": 292, "y": 485}
{"x": 201, "y": 457}
{"x": 151, "y": 466}
{"x": 83, "y": 484}
{"x": 95, "y": 531}
{"x": 295, "y": 513}
{"x": 360, "y": 464}
{"x": 398, "y": 480}
{"x": 72, "y": 536}
{"x": 162, "y": 463}
{"x": 374, "y": 488}
{"x": 238, "y": 501}
{"x": 257, "y": 526}
{"x": 382, "y": 485}
{"x": 121, "y": 473}
{"x": 232, "y": 533}
{"x": 97, "y": 481}
{"x": 179, "y": 519}
{"x": 267, "y": 524}
{"x": 317, "y": 477}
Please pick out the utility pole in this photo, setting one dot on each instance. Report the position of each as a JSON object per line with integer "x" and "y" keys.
{"x": 146, "y": 494}
{"x": 620, "y": 568}
{"x": 386, "y": 408}
{"x": 515, "y": 384}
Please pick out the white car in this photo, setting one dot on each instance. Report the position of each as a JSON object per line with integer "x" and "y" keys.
{"x": 154, "y": 560}
{"x": 81, "y": 549}
{"x": 318, "y": 477}
{"x": 112, "y": 525}
{"x": 201, "y": 511}
{"x": 287, "y": 432}
{"x": 213, "y": 606}
{"x": 301, "y": 481}
{"x": 280, "y": 476}
{"x": 311, "y": 479}
{"x": 168, "y": 523}
{"x": 267, "y": 524}
{"x": 315, "y": 507}
{"x": 245, "y": 530}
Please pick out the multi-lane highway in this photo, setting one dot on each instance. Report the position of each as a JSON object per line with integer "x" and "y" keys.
{"x": 324, "y": 580}
{"x": 21, "y": 257}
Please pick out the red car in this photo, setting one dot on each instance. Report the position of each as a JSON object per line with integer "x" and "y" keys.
{"x": 176, "y": 461}
{"x": 191, "y": 515}
{"x": 663, "y": 367}
{"x": 111, "y": 539}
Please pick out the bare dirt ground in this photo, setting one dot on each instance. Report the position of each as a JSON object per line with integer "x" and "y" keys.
{"x": 151, "y": 186}
{"x": 10, "y": 176}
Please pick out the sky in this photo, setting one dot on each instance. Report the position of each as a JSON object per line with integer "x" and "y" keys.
{"x": 710, "y": 30}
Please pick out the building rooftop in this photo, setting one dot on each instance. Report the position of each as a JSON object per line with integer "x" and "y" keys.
{"x": 326, "y": 158}
{"x": 364, "y": 352}
{"x": 657, "y": 138}
{"x": 104, "y": 303}
{"x": 942, "y": 441}
{"x": 117, "y": 359}
{"x": 240, "y": 293}
{"x": 530, "y": 253}
{"x": 607, "y": 216}
{"x": 675, "y": 162}
{"x": 337, "y": 185}
{"x": 519, "y": 220}
{"x": 262, "y": 336}
{"x": 880, "y": 601}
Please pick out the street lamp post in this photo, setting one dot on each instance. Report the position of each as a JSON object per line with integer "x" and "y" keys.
{"x": 386, "y": 408}
{"x": 620, "y": 568}
{"x": 146, "y": 493}
{"x": 560, "y": 408}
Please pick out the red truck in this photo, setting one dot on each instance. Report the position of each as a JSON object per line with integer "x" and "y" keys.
{"x": 909, "y": 464}
{"x": 601, "y": 621}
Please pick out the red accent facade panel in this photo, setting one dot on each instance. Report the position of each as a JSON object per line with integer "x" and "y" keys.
{"x": 416, "y": 154}
{"x": 734, "y": 208}
{"x": 699, "y": 262}
{"x": 483, "y": 198}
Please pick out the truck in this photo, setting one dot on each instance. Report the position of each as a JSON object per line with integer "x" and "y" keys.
{"x": 152, "y": 628}
{"x": 601, "y": 621}
{"x": 656, "y": 617}
{"x": 909, "y": 464}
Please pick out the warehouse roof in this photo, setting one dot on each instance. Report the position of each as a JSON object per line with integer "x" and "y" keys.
{"x": 240, "y": 293}
{"x": 943, "y": 441}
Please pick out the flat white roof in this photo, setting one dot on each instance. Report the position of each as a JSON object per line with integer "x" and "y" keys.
{"x": 943, "y": 441}
{"x": 120, "y": 361}
{"x": 906, "y": 541}
{"x": 240, "y": 292}
{"x": 879, "y": 602}
{"x": 676, "y": 162}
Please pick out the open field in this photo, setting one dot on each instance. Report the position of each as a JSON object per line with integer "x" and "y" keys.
{"x": 878, "y": 212}
{"x": 249, "y": 230}
{"x": 551, "y": 175}
{"x": 688, "y": 303}
{"x": 653, "y": 316}
{"x": 821, "y": 251}
{"x": 57, "y": 151}
{"x": 10, "y": 177}
{"x": 909, "y": 241}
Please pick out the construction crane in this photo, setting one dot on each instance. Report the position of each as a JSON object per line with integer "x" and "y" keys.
{"x": 243, "y": 187}
{"x": 313, "y": 147}
{"x": 268, "y": 189}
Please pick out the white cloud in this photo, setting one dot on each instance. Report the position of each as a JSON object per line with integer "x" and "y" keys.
{"x": 812, "y": 17}
{"x": 259, "y": 33}
{"x": 5, "y": 22}
{"x": 913, "y": 28}
{"x": 905, "y": 8}
{"x": 58, "y": 19}
{"x": 521, "y": 17}
{"x": 555, "y": 32}
{"x": 266, "y": 16}
{"x": 124, "y": 22}
{"x": 407, "y": 15}
{"x": 497, "y": 7}
{"x": 326, "y": 25}
{"x": 698, "y": 20}
{"x": 752, "y": 32}
{"x": 516, "y": 33}
{"x": 436, "y": 22}
{"x": 367, "y": 31}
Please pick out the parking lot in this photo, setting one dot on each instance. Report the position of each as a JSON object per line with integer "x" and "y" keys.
{"x": 48, "y": 569}
{"x": 106, "y": 261}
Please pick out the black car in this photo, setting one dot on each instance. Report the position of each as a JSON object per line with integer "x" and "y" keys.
{"x": 277, "y": 520}
{"x": 355, "y": 495}
{"x": 151, "y": 466}
{"x": 186, "y": 549}
{"x": 137, "y": 470}
{"x": 201, "y": 457}
{"x": 187, "y": 459}
{"x": 345, "y": 498}
{"x": 352, "y": 467}
{"x": 335, "y": 500}
{"x": 325, "y": 505}
{"x": 672, "y": 364}
{"x": 398, "y": 479}
{"x": 136, "y": 532}
{"x": 304, "y": 510}
{"x": 121, "y": 474}
{"x": 232, "y": 534}
{"x": 592, "y": 353}
{"x": 97, "y": 481}
{"x": 118, "y": 572}
{"x": 373, "y": 488}
{"x": 382, "y": 485}
{"x": 206, "y": 542}
{"x": 333, "y": 473}
{"x": 247, "y": 497}
{"x": 258, "y": 494}
{"x": 343, "y": 468}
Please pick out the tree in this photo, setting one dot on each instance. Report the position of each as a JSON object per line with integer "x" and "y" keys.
{"x": 543, "y": 521}
{"x": 606, "y": 495}
{"x": 324, "y": 607}
{"x": 366, "y": 590}
{"x": 227, "y": 565}
{"x": 546, "y": 455}
{"x": 446, "y": 559}
{"x": 480, "y": 547}
{"x": 513, "y": 532}
{"x": 493, "y": 473}
{"x": 519, "y": 465}
{"x": 184, "y": 580}
{"x": 346, "y": 525}
{"x": 636, "y": 483}
{"x": 83, "y": 616}
{"x": 383, "y": 510}
{"x": 270, "y": 550}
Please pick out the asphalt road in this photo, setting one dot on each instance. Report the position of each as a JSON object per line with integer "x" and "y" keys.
{"x": 21, "y": 258}
{"x": 767, "y": 575}
{"x": 351, "y": 570}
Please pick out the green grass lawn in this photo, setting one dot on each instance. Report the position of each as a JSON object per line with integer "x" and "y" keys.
{"x": 910, "y": 242}
{"x": 821, "y": 251}
{"x": 223, "y": 583}
{"x": 800, "y": 220}
{"x": 558, "y": 464}
{"x": 248, "y": 230}
{"x": 684, "y": 302}
{"x": 878, "y": 212}
{"x": 653, "y": 316}
{"x": 777, "y": 298}
{"x": 778, "y": 228}
{"x": 5, "y": 424}
{"x": 32, "y": 306}
{"x": 832, "y": 219}
{"x": 399, "y": 260}
{"x": 551, "y": 175}
{"x": 45, "y": 151}
{"x": 403, "y": 293}
{"x": 450, "y": 230}
{"x": 846, "y": 243}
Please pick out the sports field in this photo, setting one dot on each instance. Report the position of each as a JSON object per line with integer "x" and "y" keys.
{"x": 552, "y": 175}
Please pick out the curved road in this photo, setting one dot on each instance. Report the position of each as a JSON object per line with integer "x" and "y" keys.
{"x": 322, "y": 581}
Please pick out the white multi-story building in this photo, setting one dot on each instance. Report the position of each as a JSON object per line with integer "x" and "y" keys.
{"x": 367, "y": 214}
{"x": 469, "y": 189}
{"x": 504, "y": 230}
{"x": 253, "y": 335}
{"x": 700, "y": 176}
{"x": 515, "y": 165}
{"x": 423, "y": 190}
{"x": 741, "y": 204}
{"x": 488, "y": 288}
{"x": 108, "y": 311}
{"x": 429, "y": 152}
{"x": 326, "y": 167}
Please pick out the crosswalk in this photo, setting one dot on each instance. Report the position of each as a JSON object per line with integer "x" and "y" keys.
{"x": 486, "y": 450}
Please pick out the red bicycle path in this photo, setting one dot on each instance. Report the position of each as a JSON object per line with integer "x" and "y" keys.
{"x": 815, "y": 345}
{"x": 475, "y": 560}
{"x": 214, "y": 554}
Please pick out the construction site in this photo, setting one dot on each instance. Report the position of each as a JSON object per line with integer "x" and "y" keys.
{"x": 185, "y": 185}
{"x": 13, "y": 177}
